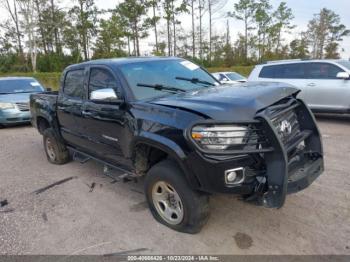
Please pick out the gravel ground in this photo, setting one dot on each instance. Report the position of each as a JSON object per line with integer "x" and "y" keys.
{"x": 73, "y": 218}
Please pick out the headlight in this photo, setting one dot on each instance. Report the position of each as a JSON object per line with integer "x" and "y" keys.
{"x": 7, "y": 105}
{"x": 219, "y": 137}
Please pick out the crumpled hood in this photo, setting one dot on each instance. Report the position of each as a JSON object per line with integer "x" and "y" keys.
{"x": 15, "y": 98}
{"x": 230, "y": 102}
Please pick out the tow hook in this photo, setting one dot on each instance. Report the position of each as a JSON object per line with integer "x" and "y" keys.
{"x": 259, "y": 190}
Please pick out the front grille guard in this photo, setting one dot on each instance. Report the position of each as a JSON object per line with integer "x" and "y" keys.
{"x": 279, "y": 159}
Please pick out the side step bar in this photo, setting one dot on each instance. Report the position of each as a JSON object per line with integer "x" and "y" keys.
{"x": 126, "y": 177}
{"x": 82, "y": 159}
{"x": 108, "y": 169}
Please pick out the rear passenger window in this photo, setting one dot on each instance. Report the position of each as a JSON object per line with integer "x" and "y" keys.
{"x": 323, "y": 71}
{"x": 74, "y": 84}
{"x": 293, "y": 71}
{"x": 268, "y": 72}
{"x": 288, "y": 71}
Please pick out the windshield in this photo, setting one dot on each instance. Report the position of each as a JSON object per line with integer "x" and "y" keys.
{"x": 234, "y": 76}
{"x": 178, "y": 74}
{"x": 345, "y": 64}
{"x": 12, "y": 86}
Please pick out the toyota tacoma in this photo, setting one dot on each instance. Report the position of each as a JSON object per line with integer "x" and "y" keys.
{"x": 171, "y": 122}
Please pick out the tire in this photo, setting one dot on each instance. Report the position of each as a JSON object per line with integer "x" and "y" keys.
{"x": 166, "y": 178}
{"x": 56, "y": 151}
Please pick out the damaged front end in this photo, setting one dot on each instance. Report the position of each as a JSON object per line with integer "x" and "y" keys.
{"x": 280, "y": 153}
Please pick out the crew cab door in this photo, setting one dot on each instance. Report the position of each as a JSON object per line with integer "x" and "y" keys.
{"x": 324, "y": 91}
{"x": 104, "y": 120}
{"x": 69, "y": 104}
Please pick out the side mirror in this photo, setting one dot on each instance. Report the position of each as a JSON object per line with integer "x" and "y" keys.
{"x": 106, "y": 95}
{"x": 343, "y": 75}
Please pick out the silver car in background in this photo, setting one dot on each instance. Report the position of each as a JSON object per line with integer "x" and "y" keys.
{"x": 14, "y": 99}
{"x": 324, "y": 84}
{"x": 229, "y": 77}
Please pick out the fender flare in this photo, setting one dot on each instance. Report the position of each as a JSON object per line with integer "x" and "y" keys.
{"x": 169, "y": 147}
{"x": 46, "y": 116}
{"x": 52, "y": 120}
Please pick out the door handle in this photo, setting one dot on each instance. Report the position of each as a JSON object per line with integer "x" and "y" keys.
{"x": 311, "y": 84}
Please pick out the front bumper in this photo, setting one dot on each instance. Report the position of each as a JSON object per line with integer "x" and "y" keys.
{"x": 272, "y": 175}
{"x": 210, "y": 175}
{"x": 14, "y": 116}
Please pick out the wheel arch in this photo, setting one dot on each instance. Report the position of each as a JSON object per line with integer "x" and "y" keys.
{"x": 42, "y": 124}
{"x": 164, "y": 148}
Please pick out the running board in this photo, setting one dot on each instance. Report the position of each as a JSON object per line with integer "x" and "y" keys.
{"x": 126, "y": 177}
{"x": 108, "y": 169}
{"x": 82, "y": 159}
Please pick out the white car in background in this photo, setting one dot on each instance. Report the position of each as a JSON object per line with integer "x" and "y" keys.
{"x": 324, "y": 84}
{"x": 229, "y": 77}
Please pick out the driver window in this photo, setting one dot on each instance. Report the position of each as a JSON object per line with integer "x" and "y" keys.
{"x": 101, "y": 79}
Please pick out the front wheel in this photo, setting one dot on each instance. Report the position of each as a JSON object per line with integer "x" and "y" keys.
{"x": 171, "y": 200}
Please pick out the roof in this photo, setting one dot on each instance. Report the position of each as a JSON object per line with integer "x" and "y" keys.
{"x": 124, "y": 60}
{"x": 16, "y": 78}
{"x": 293, "y": 61}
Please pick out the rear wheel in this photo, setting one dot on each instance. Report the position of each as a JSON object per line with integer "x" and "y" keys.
{"x": 171, "y": 200}
{"x": 55, "y": 150}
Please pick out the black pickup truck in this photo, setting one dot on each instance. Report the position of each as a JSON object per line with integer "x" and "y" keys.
{"x": 170, "y": 121}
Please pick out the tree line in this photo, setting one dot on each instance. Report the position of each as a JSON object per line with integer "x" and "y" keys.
{"x": 44, "y": 35}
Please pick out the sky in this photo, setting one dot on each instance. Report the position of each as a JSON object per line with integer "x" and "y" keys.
{"x": 303, "y": 11}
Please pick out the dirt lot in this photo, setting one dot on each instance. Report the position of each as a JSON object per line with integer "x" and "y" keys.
{"x": 72, "y": 218}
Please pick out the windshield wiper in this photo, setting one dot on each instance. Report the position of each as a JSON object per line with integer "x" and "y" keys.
{"x": 195, "y": 80}
{"x": 163, "y": 87}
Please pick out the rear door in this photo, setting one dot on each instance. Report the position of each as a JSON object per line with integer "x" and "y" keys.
{"x": 69, "y": 106}
{"x": 324, "y": 90}
{"x": 105, "y": 123}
